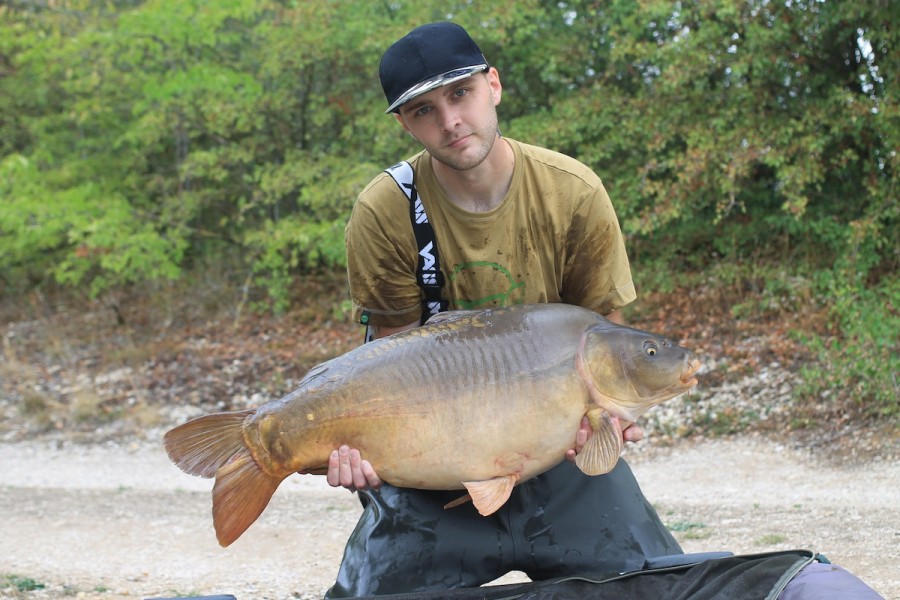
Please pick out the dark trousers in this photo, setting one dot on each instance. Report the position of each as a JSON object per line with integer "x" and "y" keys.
{"x": 559, "y": 523}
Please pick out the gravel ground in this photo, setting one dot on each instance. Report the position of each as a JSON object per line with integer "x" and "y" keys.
{"x": 111, "y": 521}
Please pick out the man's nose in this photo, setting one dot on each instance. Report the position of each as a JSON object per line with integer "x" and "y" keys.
{"x": 449, "y": 118}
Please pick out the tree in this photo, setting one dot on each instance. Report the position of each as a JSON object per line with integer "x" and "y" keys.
{"x": 143, "y": 137}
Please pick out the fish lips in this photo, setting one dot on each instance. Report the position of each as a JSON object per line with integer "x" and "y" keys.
{"x": 691, "y": 366}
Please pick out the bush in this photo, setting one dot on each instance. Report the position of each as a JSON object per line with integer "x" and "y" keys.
{"x": 861, "y": 358}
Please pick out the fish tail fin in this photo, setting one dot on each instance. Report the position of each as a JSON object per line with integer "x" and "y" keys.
{"x": 214, "y": 446}
{"x": 242, "y": 491}
{"x": 203, "y": 445}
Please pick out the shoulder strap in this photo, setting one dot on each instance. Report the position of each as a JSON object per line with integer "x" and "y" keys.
{"x": 428, "y": 271}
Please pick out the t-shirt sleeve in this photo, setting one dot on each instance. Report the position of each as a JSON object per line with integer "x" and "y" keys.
{"x": 381, "y": 262}
{"x": 598, "y": 274}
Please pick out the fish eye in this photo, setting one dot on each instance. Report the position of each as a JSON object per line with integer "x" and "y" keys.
{"x": 650, "y": 348}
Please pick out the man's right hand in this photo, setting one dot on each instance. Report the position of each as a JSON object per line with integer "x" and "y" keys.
{"x": 346, "y": 468}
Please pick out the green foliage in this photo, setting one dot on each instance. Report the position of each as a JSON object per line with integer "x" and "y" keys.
{"x": 733, "y": 129}
{"x": 689, "y": 530}
{"x": 23, "y": 584}
{"x": 862, "y": 362}
{"x": 282, "y": 246}
{"x": 771, "y": 539}
{"x": 681, "y": 526}
{"x": 753, "y": 142}
{"x": 147, "y": 136}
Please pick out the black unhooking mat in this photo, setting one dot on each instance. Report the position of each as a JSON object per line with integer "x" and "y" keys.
{"x": 748, "y": 577}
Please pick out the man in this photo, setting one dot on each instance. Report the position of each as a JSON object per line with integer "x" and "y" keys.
{"x": 512, "y": 223}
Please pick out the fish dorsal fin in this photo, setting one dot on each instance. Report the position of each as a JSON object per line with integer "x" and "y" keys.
{"x": 241, "y": 493}
{"x": 601, "y": 452}
{"x": 488, "y": 496}
{"x": 451, "y": 315}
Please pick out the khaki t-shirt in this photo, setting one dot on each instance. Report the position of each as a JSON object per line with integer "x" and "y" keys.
{"x": 554, "y": 238}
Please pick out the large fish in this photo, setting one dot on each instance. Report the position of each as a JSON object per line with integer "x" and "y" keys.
{"x": 480, "y": 400}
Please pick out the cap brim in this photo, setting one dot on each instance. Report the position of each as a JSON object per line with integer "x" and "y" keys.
{"x": 433, "y": 83}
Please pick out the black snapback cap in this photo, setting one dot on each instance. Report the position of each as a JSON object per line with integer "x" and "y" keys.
{"x": 426, "y": 58}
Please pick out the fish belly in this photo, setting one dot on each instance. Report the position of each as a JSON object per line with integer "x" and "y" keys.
{"x": 476, "y": 440}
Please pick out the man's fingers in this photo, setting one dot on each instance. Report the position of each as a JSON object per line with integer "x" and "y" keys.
{"x": 633, "y": 433}
{"x": 345, "y": 470}
{"x": 582, "y": 435}
{"x": 371, "y": 476}
{"x": 357, "y": 479}
{"x": 334, "y": 469}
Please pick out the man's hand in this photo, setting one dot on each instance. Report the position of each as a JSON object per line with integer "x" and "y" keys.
{"x": 346, "y": 468}
{"x": 632, "y": 433}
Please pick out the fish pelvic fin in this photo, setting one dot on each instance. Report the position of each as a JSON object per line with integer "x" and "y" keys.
{"x": 203, "y": 445}
{"x": 489, "y": 495}
{"x": 601, "y": 452}
{"x": 242, "y": 491}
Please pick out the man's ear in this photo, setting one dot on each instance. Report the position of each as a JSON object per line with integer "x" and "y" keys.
{"x": 403, "y": 124}
{"x": 401, "y": 121}
{"x": 493, "y": 78}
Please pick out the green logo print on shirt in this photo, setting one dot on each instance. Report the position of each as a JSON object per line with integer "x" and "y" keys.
{"x": 490, "y": 276}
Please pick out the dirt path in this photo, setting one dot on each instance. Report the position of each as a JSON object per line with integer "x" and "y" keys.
{"x": 109, "y": 522}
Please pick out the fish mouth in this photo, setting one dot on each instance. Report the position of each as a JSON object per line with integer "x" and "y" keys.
{"x": 690, "y": 369}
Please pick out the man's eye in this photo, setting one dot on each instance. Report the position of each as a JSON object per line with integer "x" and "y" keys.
{"x": 423, "y": 111}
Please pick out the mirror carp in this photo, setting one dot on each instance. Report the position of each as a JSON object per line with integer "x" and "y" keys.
{"x": 474, "y": 400}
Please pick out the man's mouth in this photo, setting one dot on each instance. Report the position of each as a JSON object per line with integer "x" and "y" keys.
{"x": 456, "y": 143}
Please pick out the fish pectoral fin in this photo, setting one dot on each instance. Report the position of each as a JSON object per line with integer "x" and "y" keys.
{"x": 242, "y": 491}
{"x": 488, "y": 496}
{"x": 601, "y": 452}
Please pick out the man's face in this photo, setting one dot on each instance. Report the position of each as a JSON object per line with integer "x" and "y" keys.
{"x": 456, "y": 123}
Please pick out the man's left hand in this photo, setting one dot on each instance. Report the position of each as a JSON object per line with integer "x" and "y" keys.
{"x": 632, "y": 433}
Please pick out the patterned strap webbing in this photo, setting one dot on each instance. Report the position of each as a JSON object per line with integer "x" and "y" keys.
{"x": 428, "y": 271}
